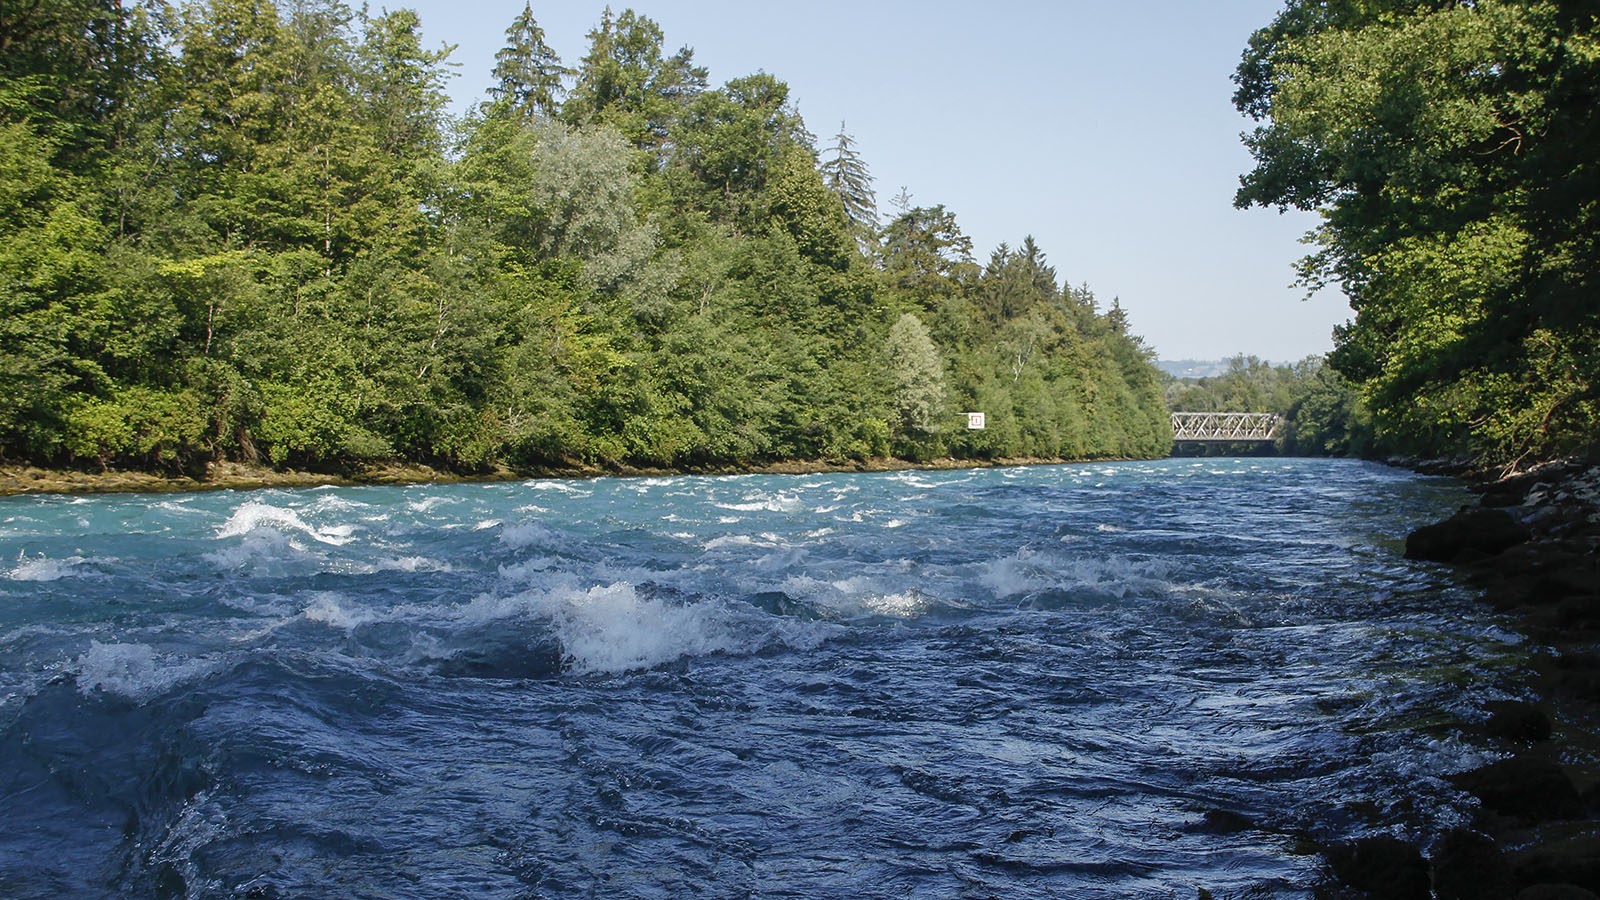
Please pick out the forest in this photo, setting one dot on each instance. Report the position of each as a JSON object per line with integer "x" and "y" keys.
{"x": 1450, "y": 149}
{"x": 251, "y": 230}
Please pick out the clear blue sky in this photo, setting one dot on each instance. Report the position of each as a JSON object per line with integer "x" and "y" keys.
{"x": 1105, "y": 130}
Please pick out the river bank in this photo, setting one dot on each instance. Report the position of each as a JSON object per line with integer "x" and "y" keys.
{"x": 25, "y": 479}
{"x": 1529, "y": 542}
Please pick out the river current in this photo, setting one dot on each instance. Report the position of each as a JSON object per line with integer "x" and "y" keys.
{"x": 1095, "y": 680}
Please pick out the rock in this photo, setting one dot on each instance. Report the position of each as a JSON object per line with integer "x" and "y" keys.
{"x": 1387, "y": 868}
{"x": 1556, "y": 892}
{"x": 1222, "y": 821}
{"x": 1469, "y": 866}
{"x": 1523, "y": 786}
{"x": 1473, "y": 531}
{"x": 1573, "y": 674}
{"x": 1573, "y": 862}
{"x": 1517, "y": 720}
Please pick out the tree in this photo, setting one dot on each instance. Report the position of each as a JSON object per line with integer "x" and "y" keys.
{"x": 919, "y": 395}
{"x": 625, "y": 81}
{"x": 926, "y": 255}
{"x": 845, "y": 173}
{"x": 1449, "y": 149}
{"x": 528, "y": 73}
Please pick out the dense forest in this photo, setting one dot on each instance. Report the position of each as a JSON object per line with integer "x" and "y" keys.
{"x": 251, "y": 230}
{"x": 1453, "y": 151}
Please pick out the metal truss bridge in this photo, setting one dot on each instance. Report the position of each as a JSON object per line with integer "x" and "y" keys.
{"x": 1225, "y": 427}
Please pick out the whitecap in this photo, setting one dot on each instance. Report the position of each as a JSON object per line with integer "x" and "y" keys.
{"x": 328, "y": 609}
{"x": 336, "y": 503}
{"x": 739, "y": 540}
{"x": 1029, "y": 570}
{"x": 260, "y": 546}
{"x": 528, "y": 570}
{"x": 134, "y": 671}
{"x": 778, "y": 503}
{"x": 411, "y": 564}
{"x": 610, "y": 628}
{"x": 253, "y": 516}
{"x": 530, "y": 534}
{"x": 43, "y": 568}
{"x": 561, "y": 486}
{"x": 426, "y": 504}
{"x": 904, "y": 605}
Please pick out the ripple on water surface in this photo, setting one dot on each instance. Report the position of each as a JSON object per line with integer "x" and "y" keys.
{"x": 1099, "y": 680}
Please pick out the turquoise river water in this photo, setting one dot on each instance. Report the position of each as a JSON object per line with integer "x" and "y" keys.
{"x": 1096, "y": 680}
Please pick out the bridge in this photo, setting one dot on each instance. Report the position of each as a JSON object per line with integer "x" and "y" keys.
{"x": 1225, "y": 427}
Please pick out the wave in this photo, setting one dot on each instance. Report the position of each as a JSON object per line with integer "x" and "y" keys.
{"x": 134, "y": 671}
{"x": 1029, "y": 571}
{"x": 43, "y": 568}
{"x": 254, "y": 516}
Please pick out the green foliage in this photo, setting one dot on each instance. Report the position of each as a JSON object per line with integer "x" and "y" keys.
{"x": 919, "y": 399}
{"x": 1449, "y": 149}
{"x": 247, "y": 229}
{"x": 1322, "y": 411}
{"x": 527, "y": 73}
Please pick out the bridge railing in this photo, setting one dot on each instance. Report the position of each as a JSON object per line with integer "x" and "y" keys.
{"x": 1225, "y": 426}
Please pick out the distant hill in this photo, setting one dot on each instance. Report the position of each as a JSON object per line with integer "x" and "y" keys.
{"x": 1202, "y": 368}
{"x": 1192, "y": 368}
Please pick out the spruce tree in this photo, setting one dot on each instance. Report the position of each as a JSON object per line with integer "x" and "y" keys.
{"x": 527, "y": 71}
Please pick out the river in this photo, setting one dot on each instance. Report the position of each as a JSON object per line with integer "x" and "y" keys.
{"x": 1093, "y": 680}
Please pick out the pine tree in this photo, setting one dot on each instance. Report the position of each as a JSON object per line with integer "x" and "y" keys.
{"x": 527, "y": 71}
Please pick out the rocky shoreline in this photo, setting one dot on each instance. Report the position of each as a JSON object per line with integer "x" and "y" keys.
{"x": 25, "y": 479}
{"x": 1530, "y": 543}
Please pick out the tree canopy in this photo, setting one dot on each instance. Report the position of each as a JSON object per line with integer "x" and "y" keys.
{"x": 249, "y": 230}
{"x": 1450, "y": 150}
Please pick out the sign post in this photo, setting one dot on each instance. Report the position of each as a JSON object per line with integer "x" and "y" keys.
{"x": 975, "y": 421}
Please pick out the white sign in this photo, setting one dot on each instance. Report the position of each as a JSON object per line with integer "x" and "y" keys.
{"x": 975, "y": 421}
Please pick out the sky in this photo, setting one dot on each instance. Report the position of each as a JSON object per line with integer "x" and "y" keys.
{"x": 1105, "y": 130}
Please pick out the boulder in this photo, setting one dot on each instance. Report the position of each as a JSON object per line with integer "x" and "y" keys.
{"x": 1574, "y": 861}
{"x": 1470, "y": 866}
{"x": 1387, "y": 868}
{"x": 1556, "y": 892}
{"x": 1517, "y": 720}
{"x": 1473, "y": 531}
{"x": 1524, "y": 786}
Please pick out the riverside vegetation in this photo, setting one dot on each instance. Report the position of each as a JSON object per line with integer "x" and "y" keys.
{"x": 1450, "y": 149}
{"x": 248, "y": 231}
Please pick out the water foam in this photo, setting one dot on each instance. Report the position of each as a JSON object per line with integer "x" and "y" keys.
{"x": 134, "y": 671}
{"x": 611, "y": 629}
{"x": 43, "y": 568}
{"x": 254, "y": 516}
{"x": 327, "y": 609}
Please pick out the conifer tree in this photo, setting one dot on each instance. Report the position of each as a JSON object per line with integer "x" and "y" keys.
{"x": 845, "y": 173}
{"x": 528, "y": 73}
